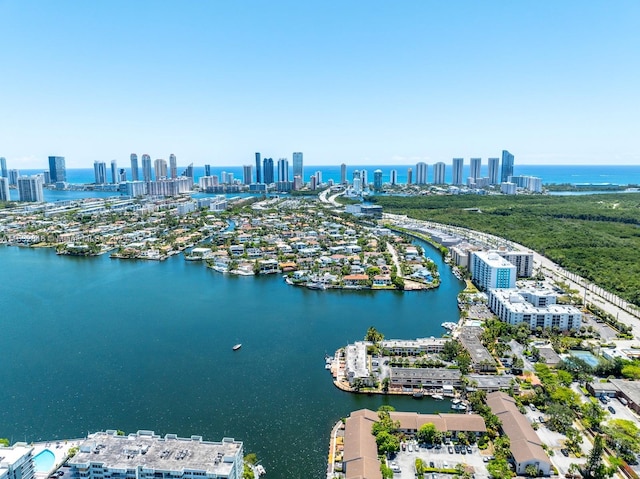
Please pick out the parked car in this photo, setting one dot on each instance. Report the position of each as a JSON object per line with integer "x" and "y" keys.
{"x": 431, "y": 464}
{"x": 469, "y": 450}
{"x": 450, "y": 449}
{"x": 565, "y": 452}
{"x": 611, "y": 410}
{"x": 533, "y": 407}
{"x": 541, "y": 419}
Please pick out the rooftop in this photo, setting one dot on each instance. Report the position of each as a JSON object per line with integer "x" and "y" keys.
{"x": 168, "y": 453}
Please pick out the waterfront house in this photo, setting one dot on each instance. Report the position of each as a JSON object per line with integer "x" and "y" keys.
{"x": 354, "y": 280}
{"x": 382, "y": 280}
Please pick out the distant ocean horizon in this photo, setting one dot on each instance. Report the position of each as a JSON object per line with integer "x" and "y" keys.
{"x": 550, "y": 174}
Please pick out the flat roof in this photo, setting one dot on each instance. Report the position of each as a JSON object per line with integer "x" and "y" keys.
{"x": 150, "y": 451}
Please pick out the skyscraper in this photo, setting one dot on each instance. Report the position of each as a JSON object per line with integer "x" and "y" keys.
{"x": 3, "y": 167}
{"x": 258, "y": 168}
{"x": 57, "y": 169}
{"x": 421, "y": 173}
{"x": 377, "y": 180}
{"x": 438, "y": 173}
{"x": 267, "y": 170}
{"x": 188, "y": 172}
{"x": 343, "y": 174}
{"x": 283, "y": 169}
{"x": 298, "y": 168}
{"x": 247, "y": 174}
{"x": 4, "y": 189}
{"x": 146, "y": 168}
{"x": 507, "y": 166}
{"x": 30, "y": 188}
{"x": 476, "y": 164}
{"x": 100, "y": 172}
{"x": 207, "y": 170}
{"x": 394, "y": 177}
{"x": 173, "y": 166}
{"x": 409, "y": 176}
{"x": 456, "y": 174}
{"x": 494, "y": 166}
{"x": 122, "y": 175}
{"x": 114, "y": 172}
{"x": 13, "y": 177}
{"x": 134, "y": 167}
{"x": 160, "y": 168}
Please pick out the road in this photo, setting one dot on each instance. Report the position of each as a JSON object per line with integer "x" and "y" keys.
{"x": 325, "y": 198}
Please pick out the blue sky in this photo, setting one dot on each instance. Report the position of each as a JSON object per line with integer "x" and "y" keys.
{"x": 361, "y": 82}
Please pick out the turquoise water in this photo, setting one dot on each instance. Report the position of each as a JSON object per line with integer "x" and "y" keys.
{"x": 44, "y": 461}
{"x": 586, "y": 356}
{"x": 94, "y": 343}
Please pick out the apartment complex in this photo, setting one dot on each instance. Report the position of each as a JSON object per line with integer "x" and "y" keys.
{"x": 16, "y": 462}
{"x": 489, "y": 270}
{"x": 145, "y": 455}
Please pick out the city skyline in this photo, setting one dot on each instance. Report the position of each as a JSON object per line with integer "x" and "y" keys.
{"x": 552, "y": 82}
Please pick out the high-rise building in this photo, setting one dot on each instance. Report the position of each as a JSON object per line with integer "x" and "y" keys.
{"x": 409, "y": 176}
{"x": 114, "y": 172}
{"x": 134, "y": 167}
{"x": 318, "y": 176}
{"x": 188, "y": 172}
{"x": 3, "y": 167}
{"x": 438, "y": 173}
{"x": 377, "y": 180}
{"x": 13, "y": 177}
{"x": 17, "y": 462}
{"x": 283, "y": 169}
{"x": 207, "y": 170}
{"x": 343, "y": 174}
{"x": 258, "y": 168}
{"x": 100, "y": 172}
{"x": 267, "y": 170}
{"x": 456, "y": 174}
{"x": 173, "y": 166}
{"x": 394, "y": 177}
{"x": 507, "y": 166}
{"x": 122, "y": 175}
{"x": 298, "y": 168}
{"x": 247, "y": 174}
{"x": 364, "y": 176}
{"x": 489, "y": 270}
{"x": 30, "y": 188}
{"x": 421, "y": 173}
{"x": 476, "y": 165}
{"x": 57, "y": 169}
{"x": 146, "y": 168}
{"x": 47, "y": 177}
{"x": 494, "y": 170}
{"x": 160, "y": 168}
{"x": 4, "y": 189}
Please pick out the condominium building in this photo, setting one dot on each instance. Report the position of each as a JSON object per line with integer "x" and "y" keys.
{"x": 343, "y": 174}
{"x": 168, "y": 187}
{"x": 57, "y": 169}
{"x": 421, "y": 173}
{"x": 146, "y": 168}
{"x": 475, "y": 166}
{"x": 30, "y": 188}
{"x": 298, "y": 167}
{"x": 135, "y": 189}
{"x": 508, "y": 188}
{"x": 409, "y": 176}
{"x": 283, "y": 170}
{"x": 258, "y": 169}
{"x": 173, "y": 166}
{"x": 3, "y": 167}
{"x": 377, "y": 180}
{"x": 438, "y": 173}
{"x": 115, "y": 178}
{"x": 100, "y": 172}
{"x": 268, "y": 170}
{"x": 13, "y": 177}
{"x": 247, "y": 174}
{"x": 160, "y": 168}
{"x": 489, "y": 270}
{"x": 507, "y": 166}
{"x": 393, "y": 177}
{"x": 134, "y": 167}
{"x": 4, "y": 189}
{"x": 522, "y": 260}
{"x": 494, "y": 171}
{"x": 536, "y": 308}
{"x": 16, "y": 462}
{"x": 145, "y": 455}
{"x": 458, "y": 165}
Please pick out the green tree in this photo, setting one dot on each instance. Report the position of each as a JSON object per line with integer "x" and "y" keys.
{"x": 427, "y": 433}
{"x": 373, "y": 335}
{"x": 387, "y": 442}
{"x": 450, "y": 350}
{"x": 387, "y": 472}
{"x": 592, "y": 415}
{"x": 4, "y": 441}
{"x": 574, "y": 439}
{"x": 560, "y": 417}
{"x": 631, "y": 372}
{"x": 498, "y": 469}
{"x": 531, "y": 470}
{"x": 594, "y": 467}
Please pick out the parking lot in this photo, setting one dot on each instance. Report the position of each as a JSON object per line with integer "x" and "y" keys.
{"x": 441, "y": 458}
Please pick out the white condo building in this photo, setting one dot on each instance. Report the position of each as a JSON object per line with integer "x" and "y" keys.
{"x": 537, "y": 308}
{"x": 475, "y": 166}
{"x": 30, "y": 188}
{"x": 489, "y": 270}
{"x": 456, "y": 174}
{"x": 4, "y": 189}
{"x": 145, "y": 455}
{"x": 16, "y": 462}
{"x": 421, "y": 173}
{"x": 438, "y": 173}
{"x": 494, "y": 171}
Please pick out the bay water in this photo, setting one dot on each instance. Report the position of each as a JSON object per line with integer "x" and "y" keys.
{"x": 94, "y": 343}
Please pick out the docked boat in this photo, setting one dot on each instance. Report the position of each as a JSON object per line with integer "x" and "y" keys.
{"x": 439, "y": 397}
{"x": 459, "y": 407}
{"x": 418, "y": 395}
{"x": 320, "y": 286}
{"x": 260, "y": 470}
{"x": 237, "y": 346}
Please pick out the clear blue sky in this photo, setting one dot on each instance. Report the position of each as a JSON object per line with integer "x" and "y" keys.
{"x": 361, "y": 82}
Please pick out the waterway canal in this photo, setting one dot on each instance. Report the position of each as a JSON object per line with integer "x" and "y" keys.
{"x": 94, "y": 343}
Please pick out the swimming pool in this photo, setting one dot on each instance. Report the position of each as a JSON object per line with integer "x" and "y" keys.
{"x": 44, "y": 461}
{"x": 586, "y": 356}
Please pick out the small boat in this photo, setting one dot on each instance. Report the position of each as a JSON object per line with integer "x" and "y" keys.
{"x": 327, "y": 366}
{"x": 260, "y": 470}
{"x": 237, "y": 346}
{"x": 418, "y": 395}
{"x": 459, "y": 407}
{"x": 439, "y": 397}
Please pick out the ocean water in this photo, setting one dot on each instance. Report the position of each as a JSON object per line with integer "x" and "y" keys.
{"x": 618, "y": 175}
{"x": 95, "y": 343}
